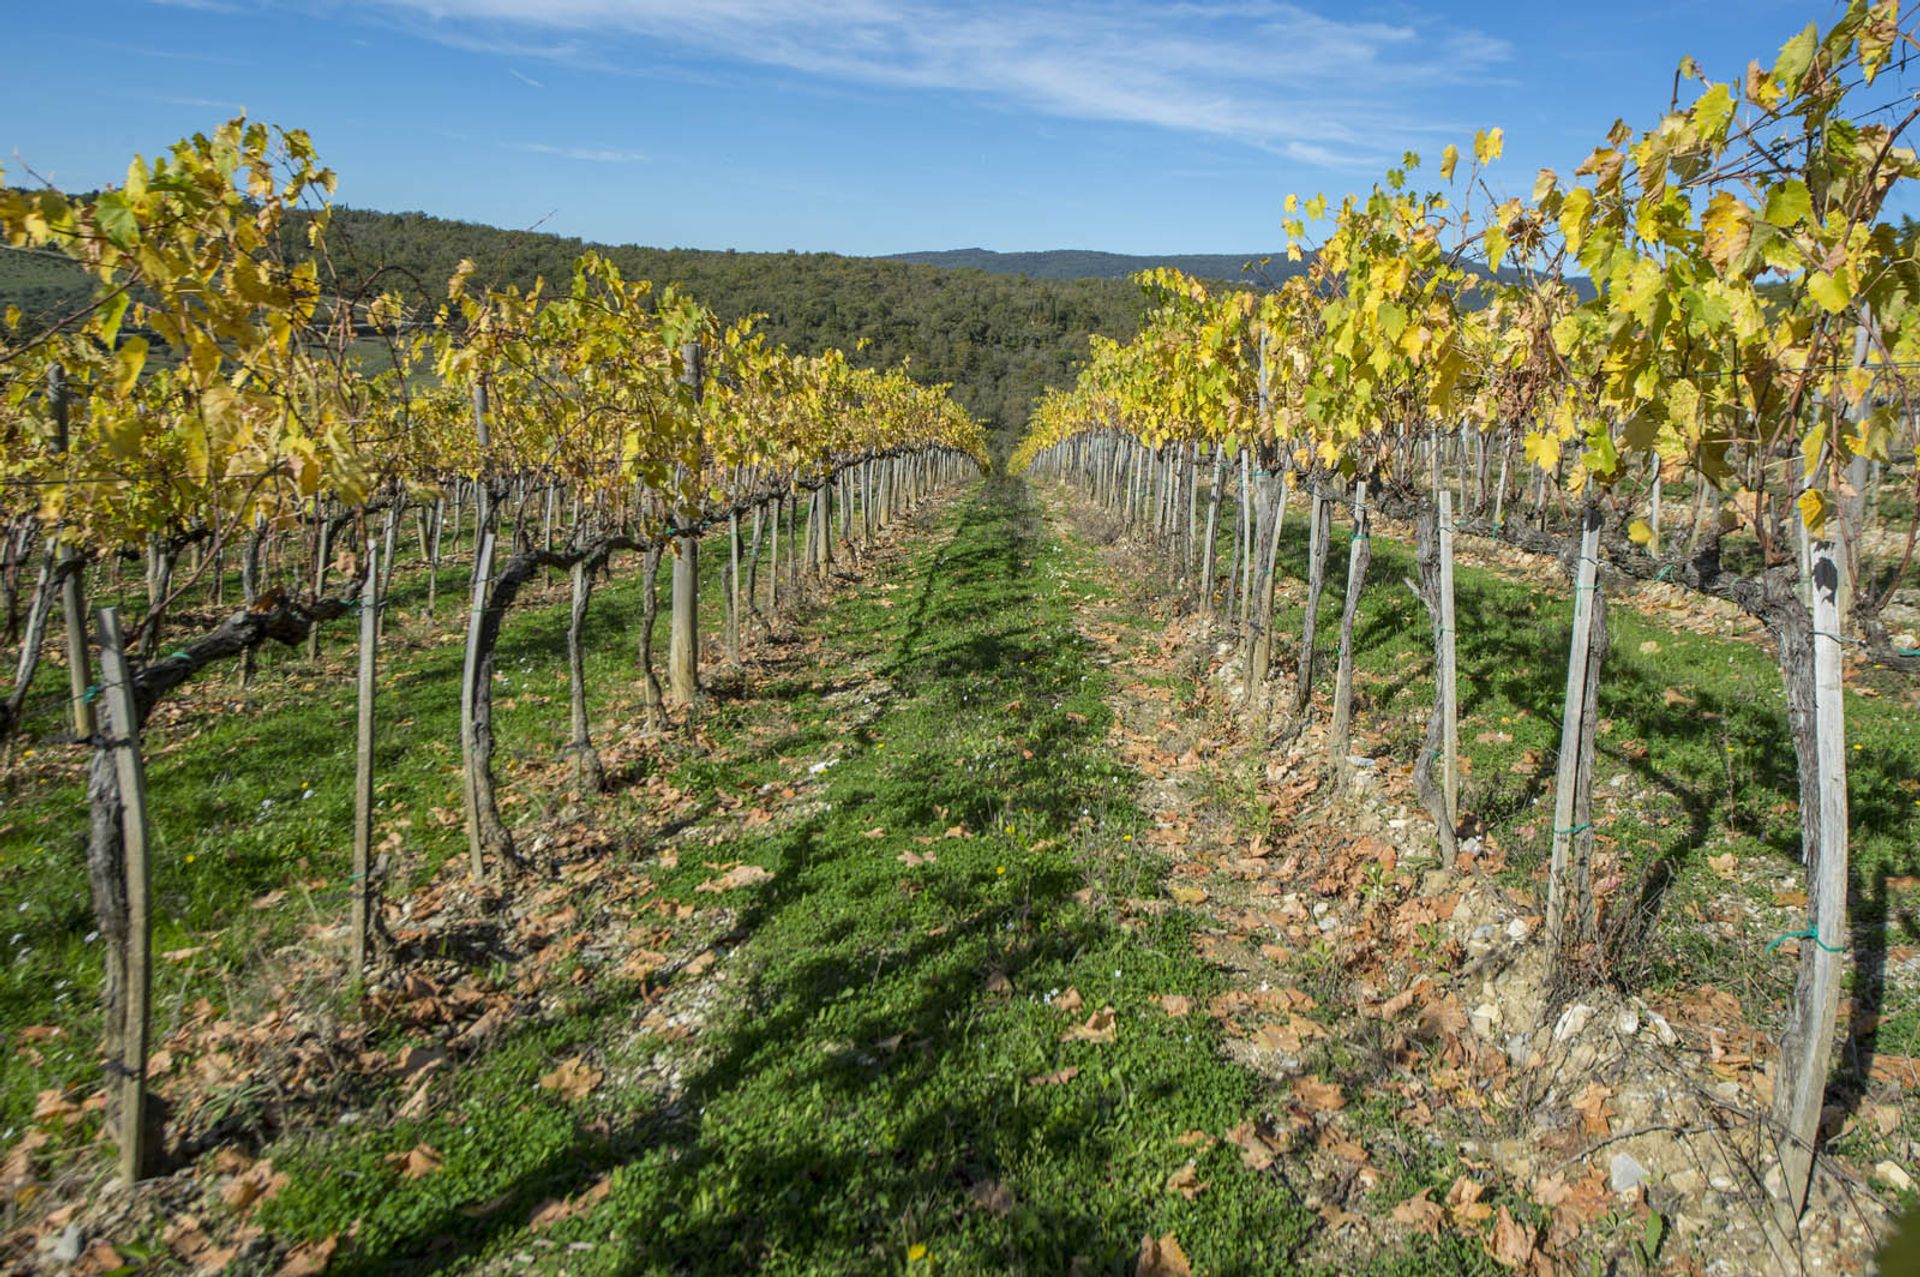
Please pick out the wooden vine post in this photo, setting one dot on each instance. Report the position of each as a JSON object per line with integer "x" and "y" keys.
{"x": 1800, "y": 1089}
{"x": 72, "y": 596}
{"x": 1211, "y": 534}
{"x": 1320, "y": 507}
{"x": 483, "y": 547}
{"x": 389, "y": 537}
{"x": 1359, "y": 555}
{"x": 1448, "y": 671}
{"x": 322, "y": 559}
{"x": 1429, "y": 772}
{"x": 482, "y": 572}
{"x": 683, "y": 646}
{"x": 1566, "y": 787}
{"x": 364, "y": 900}
{"x": 123, "y": 727}
{"x": 733, "y": 586}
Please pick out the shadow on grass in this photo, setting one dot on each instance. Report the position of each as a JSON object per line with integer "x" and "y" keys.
{"x": 865, "y": 1077}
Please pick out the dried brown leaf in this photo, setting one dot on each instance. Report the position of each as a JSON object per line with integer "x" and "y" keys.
{"x": 1162, "y": 1257}
{"x": 572, "y": 1079}
{"x": 417, "y": 1162}
{"x": 1420, "y": 1214}
{"x": 309, "y": 1259}
{"x": 1098, "y": 1028}
{"x": 1187, "y": 1182}
{"x": 742, "y": 876}
{"x": 1318, "y": 1095}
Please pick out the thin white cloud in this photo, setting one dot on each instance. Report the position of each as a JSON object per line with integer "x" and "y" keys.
{"x": 1269, "y": 73}
{"x": 591, "y": 154}
{"x": 524, "y": 78}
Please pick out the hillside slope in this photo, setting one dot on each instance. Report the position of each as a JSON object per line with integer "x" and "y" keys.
{"x": 999, "y": 339}
{"x": 1075, "y": 263}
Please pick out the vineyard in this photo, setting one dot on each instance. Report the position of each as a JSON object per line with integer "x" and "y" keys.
{"x": 543, "y": 779}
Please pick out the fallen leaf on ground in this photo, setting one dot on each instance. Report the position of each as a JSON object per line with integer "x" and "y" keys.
{"x": 744, "y": 876}
{"x": 1098, "y": 1028}
{"x": 1318, "y": 1095}
{"x": 186, "y": 1238}
{"x": 309, "y": 1259}
{"x": 1187, "y": 1182}
{"x": 416, "y": 1103}
{"x": 17, "y": 1170}
{"x": 1511, "y": 1244}
{"x": 1289, "y": 1037}
{"x": 1333, "y": 1141}
{"x": 1195, "y": 1139}
{"x": 573, "y": 1079}
{"x": 1068, "y": 1001}
{"x": 54, "y": 1106}
{"x": 1056, "y": 1078}
{"x": 255, "y": 1184}
{"x": 1418, "y": 1213}
{"x": 1591, "y": 1105}
{"x": 417, "y": 1162}
{"x": 1256, "y": 1154}
{"x": 1161, "y": 1257}
{"x": 1443, "y": 1017}
{"x": 553, "y": 1211}
{"x": 99, "y": 1259}
{"x": 1335, "y": 1217}
{"x": 1463, "y": 1199}
{"x": 1175, "y": 1004}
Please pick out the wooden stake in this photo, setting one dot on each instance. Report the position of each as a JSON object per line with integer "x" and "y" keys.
{"x": 1359, "y": 554}
{"x": 1449, "y": 686}
{"x": 482, "y": 574}
{"x": 124, "y": 729}
{"x": 364, "y": 900}
{"x": 72, "y": 601}
{"x": 1320, "y": 515}
{"x": 1800, "y": 1089}
{"x": 1567, "y": 781}
{"x": 733, "y": 586}
{"x": 1211, "y": 534}
{"x": 320, "y": 565}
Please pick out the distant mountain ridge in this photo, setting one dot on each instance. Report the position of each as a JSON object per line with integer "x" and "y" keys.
{"x": 1065, "y": 264}
{"x": 1080, "y": 263}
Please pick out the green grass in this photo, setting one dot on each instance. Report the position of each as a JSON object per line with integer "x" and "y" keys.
{"x": 801, "y": 1144}
{"x": 1676, "y": 780}
{"x": 253, "y": 793}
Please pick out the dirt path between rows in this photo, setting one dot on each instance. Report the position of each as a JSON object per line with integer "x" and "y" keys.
{"x": 1428, "y": 1083}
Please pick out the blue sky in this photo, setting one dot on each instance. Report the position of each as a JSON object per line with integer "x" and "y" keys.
{"x": 869, "y": 126}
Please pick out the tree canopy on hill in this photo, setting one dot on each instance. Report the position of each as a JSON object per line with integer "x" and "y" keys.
{"x": 1076, "y": 263}
{"x": 999, "y": 339}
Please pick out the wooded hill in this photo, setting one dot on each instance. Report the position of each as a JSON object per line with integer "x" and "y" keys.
{"x": 998, "y": 338}
{"x": 1078, "y": 263}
